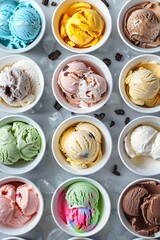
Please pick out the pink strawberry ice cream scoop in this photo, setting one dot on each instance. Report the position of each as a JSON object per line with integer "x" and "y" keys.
{"x": 27, "y": 199}
{"x": 19, "y": 219}
{"x": 81, "y": 86}
{"x": 8, "y": 191}
{"x": 6, "y": 210}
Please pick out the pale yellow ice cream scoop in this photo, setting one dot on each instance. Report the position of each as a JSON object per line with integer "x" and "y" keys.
{"x": 81, "y": 25}
{"x": 82, "y": 145}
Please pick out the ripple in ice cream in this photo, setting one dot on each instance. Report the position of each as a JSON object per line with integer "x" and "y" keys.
{"x": 20, "y": 24}
{"x": 141, "y": 204}
{"x": 143, "y": 84}
{"x": 78, "y": 206}
{"x": 141, "y": 25}
{"x": 19, "y": 84}
{"x": 18, "y": 141}
{"x": 82, "y": 145}
{"x": 81, "y": 26}
{"x": 18, "y": 204}
{"x": 82, "y": 87}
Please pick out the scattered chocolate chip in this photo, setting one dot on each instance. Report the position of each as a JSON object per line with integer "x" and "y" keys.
{"x": 54, "y": 4}
{"x": 65, "y": 68}
{"x": 99, "y": 116}
{"x": 120, "y": 112}
{"x": 57, "y": 106}
{"x": 91, "y": 135}
{"x": 105, "y": 2}
{"x": 66, "y": 74}
{"x": 118, "y": 56}
{"x": 72, "y": 113}
{"x": 112, "y": 124}
{"x": 45, "y": 2}
{"x": 54, "y": 55}
{"x": 127, "y": 120}
{"x": 8, "y": 91}
{"x": 115, "y": 171}
{"x": 107, "y": 61}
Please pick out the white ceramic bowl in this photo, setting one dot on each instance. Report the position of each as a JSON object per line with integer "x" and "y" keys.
{"x": 39, "y": 37}
{"x": 144, "y": 166}
{"x": 9, "y": 61}
{"x": 101, "y": 9}
{"x": 106, "y": 145}
{"x": 75, "y": 238}
{"x": 16, "y": 231}
{"x": 121, "y": 214}
{"x": 23, "y": 166}
{"x": 124, "y": 9}
{"x": 105, "y": 207}
{"x": 13, "y": 238}
{"x": 98, "y": 66}
{"x": 130, "y": 65}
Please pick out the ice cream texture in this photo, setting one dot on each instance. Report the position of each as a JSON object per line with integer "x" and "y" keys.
{"x": 143, "y": 84}
{"x": 20, "y": 24}
{"x": 80, "y": 206}
{"x": 18, "y": 204}
{"x": 144, "y": 140}
{"x": 81, "y": 25}
{"x": 142, "y": 25}
{"x": 82, "y": 87}
{"x": 19, "y": 84}
{"x": 18, "y": 141}
{"x": 141, "y": 203}
{"x": 82, "y": 145}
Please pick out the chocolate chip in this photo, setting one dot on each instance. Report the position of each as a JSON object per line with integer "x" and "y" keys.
{"x": 57, "y": 106}
{"x": 72, "y": 113}
{"x": 127, "y": 120}
{"x": 54, "y": 4}
{"x": 65, "y": 68}
{"x": 45, "y": 2}
{"x": 105, "y": 2}
{"x": 91, "y": 135}
{"x": 54, "y": 55}
{"x": 115, "y": 171}
{"x": 66, "y": 74}
{"x": 107, "y": 61}
{"x": 8, "y": 91}
{"x": 120, "y": 112}
{"x": 112, "y": 124}
{"x": 118, "y": 56}
{"x": 99, "y": 116}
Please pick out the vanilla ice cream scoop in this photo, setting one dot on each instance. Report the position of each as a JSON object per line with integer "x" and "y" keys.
{"x": 81, "y": 145}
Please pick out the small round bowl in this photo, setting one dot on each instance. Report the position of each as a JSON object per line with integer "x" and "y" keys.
{"x": 98, "y": 66}
{"x": 13, "y": 238}
{"x": 141, "y": 166}
{"x": 106, "y": 145}
{"x": 124, "y": 9}
{"x": 101, "y": 9}
{"x": 16, "y": 231}
{"x": 39, "y": 37}
{"x": 105, "y": 207}
{"x": 121, "y": 214}
{"x": 23, "y": 166}
{"x": 130, "y": 65}
{"x": 9, "y": 61}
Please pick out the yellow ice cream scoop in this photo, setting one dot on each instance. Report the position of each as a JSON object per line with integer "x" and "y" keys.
{"x": 82, "y": 145}
{"x": 81, "y": 25}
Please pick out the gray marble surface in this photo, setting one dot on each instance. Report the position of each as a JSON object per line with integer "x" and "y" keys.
{"x": 48, "y": 175}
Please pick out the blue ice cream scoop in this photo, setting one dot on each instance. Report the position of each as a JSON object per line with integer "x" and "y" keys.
{"x": 6, "y": 10}
{"x": 25, "y": 23}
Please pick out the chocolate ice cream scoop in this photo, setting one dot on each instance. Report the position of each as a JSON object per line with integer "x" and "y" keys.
{"x": 142, "y": 25}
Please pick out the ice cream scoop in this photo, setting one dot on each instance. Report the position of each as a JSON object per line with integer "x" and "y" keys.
{"x": 142, "y": 25}
{"x": 8, "y": 191}
{"x": 82, "y": 145}
{"x": 82, "y": 87}
{"x": 81, "y": 25}
{"x": 6, "y": 210}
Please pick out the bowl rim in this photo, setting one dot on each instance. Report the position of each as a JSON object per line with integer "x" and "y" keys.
{"x": 21, "y": 231}
{"x": 87, "y": 119}
{"x": 122, "y": 11}
{"x": 121, "y": 138}
{"x": 93, "y": 60}
{"x": 82, "y": 50}
{"x": 28, "y": 120}
{"x": 121, "y": 84}
{"x": 98, "y": 186}
{"x": 119, "y": 208}
{"x": 39, "y": 36}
